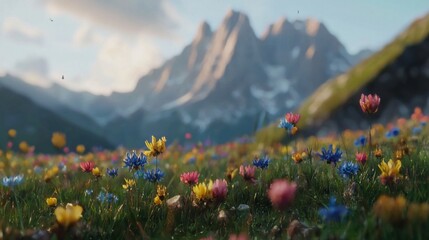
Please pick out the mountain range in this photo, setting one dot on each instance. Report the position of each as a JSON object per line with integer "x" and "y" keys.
{"x": 223, "y": 84}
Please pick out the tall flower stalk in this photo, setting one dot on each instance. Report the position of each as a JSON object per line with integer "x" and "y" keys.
{"x": 369, "y": 104}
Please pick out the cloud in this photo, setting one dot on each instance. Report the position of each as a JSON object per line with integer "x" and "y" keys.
{"x": 20, "y": 31}
{"x": 154, "y": 17}
{"x": 86, "y": 35}
{"x": 34, "y": 70}
{"x": 120, "y": 63}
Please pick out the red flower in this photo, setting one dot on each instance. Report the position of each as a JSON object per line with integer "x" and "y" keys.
{"x": 248, "y": 173}
{"x": 282, "y": 193}
{"x": 369, "y": 103}
{"x": 361, "y": 158}
{"x": 190, "y": 178}
{"x": 292, "y": 118}
{"x": 87, "y": 166}
{"x": 220, "y": 189}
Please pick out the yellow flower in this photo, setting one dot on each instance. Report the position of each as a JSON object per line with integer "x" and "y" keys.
{"x": 129, "y": 184}
{"x": 51, "y": 173}
{"x": 378, "y": 153}
{"x": 96, "y": 172}
{"x": 231, "y": 173}
{"x": 161, "y": 191}
{"x": 58, "y": 140}
{"x": 390, "y": 209}
{"x": 418, "y": 212}
{"x": 155, "y": 147}
{"x": 80, "y": 149}
{"x": 390, "y": 171}
{"x": 11, "y": 133}
{"x": 298, "y": 156}
{"x": 52, "y": 202}
{"x": 157, "y": 200}
{"x": 202, "y": 191}
{"x": 23, "y": 147}
{"x": 68, "y": 215}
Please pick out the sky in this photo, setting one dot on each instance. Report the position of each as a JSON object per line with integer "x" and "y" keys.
{"x": 102, "y": 46}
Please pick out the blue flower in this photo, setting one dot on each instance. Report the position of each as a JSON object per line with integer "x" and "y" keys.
{"x": 329, "y": 156}
{"x": 107, "y": 197}
{"x": 417, "y": 130}
{"x": 261, "y": 163}
{"x": 112, "y": 172}
{"x": 285, "y": 124}
{"x": 333, "y": 212}
{"x": 360, "y": 141}
{"x": 88, "y": 192}
{"x": 423, "y": 124}
{"x": 348, "y": 170}
{"x": 13, "y": 181}
{"x": 394, "y": 132}
{"x": 132, "y": 161}
{"x": 154, "y": 175}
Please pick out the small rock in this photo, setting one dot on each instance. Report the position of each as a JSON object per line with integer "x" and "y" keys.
{"x": 243, "y": 207}
{"x": 175, "y": 202}
{"x": 221, "y": 217}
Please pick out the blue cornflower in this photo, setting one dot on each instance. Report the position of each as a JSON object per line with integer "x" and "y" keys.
{"x": 154, "y": 175}
{"x": 112, "y": 172}
{"x": 13, "y": 181}
{"x": 360, "y": 141}
{"x": 423, "y": 124}
{"x": 285, "y": 124}
{"x": 107, "y": 197}
{"x": 417, "y": 130}
{"x": 132, "y": 161}
{"x": 348, "y": 170}
{"x": 261, "y": 163}
{"x": 394, "y": 132}
{"x": 329, "y": 156}
{"x": 333, "y": 212}
{"x": 88, "y": 192}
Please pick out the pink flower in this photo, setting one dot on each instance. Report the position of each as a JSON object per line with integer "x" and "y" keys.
{"x": 190, "y": 178}
{"x": 87, "y": 166}
{"x": 369, "y": 103}
{"x": 292, "y": 118}
{"x": 248, "y": 173}
{"x": 220, "y": 189}
{"x": 241, "y": 236}
{"x": 361, "y": 158}
{"x": 282, "y": 193}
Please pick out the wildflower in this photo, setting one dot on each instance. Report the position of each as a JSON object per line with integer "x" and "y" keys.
{"x": 390, "y": 171}
{"x": 378, "y": 153}
{"x": 132, "y": 161}
{"x": 231, "y": 173}
{"x": 334, "y": 212}
{"x": 348, "y": 170}
{"x": 51, "y": 173}
{"x": 241, "y": 236}
{"x": 52, "y": 202}
{"x": 220, "y": 189}
{"x": 80, "y": 149}
{"x": 390, "y": 209}
{"x": 23, "y": 147}
{"x": 88, "y": 192}
{"x": 394, "y": 132}
{"x": 261, "y": 163}
{"x": 58, "y": 140}
{"x": 154, "y": 175}
{"x": 282, "y": 193}
{"x": 13, "y": 181}
{"x": 248, "y": 173}
{"x": 329, "y": 156}
{"x": 96, "y": 172}
{"x": 11, "y": 133}
{"x": 289, "y": 127}
{"x": 155, "y": 147}
{"x": 361, "y": 158}
{"x": 161, "y": 193}
{"x": 418, "y": 212}
{"x": 298, "y": 156}
{"x": 417, "y": 130}
{"x": 69, "y": 215}
{"x": 369, "y": 103}
{"x": 107, "y": 197}
{"x": 202, "y": 192}
{"x": 112, "y": 172}
{"x": 87, "y": 166}
{"x": 189, "y": 178}
{"x": 292, "y": 118}
{"x": 129, "y": 184}
{"x": 360, "y": 141}
{"x": 157, "y": 200}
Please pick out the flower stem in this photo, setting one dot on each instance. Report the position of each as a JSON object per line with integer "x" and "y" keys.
{"x": 19, "y": 212}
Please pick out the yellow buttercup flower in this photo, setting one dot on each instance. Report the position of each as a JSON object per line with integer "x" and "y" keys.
{"x": 11, "y": 133}
{"x": 390, "y": 171}
{"x": 52, "y": 202}
{"x": 156, "y": 147}
{"x": 58, "y": 140}
{"x": 157, "y": 200}
{"x": 202, "y": 191}
{"x": 69, "y": 215}
{"x": 23, "y": 147}
{"x": 298, "y": 156}
{"x": 51, "y": 173}
{"x": 129, "y": 184}
{"x": 80, "y": 149}
{"x": 96, "y": 172}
